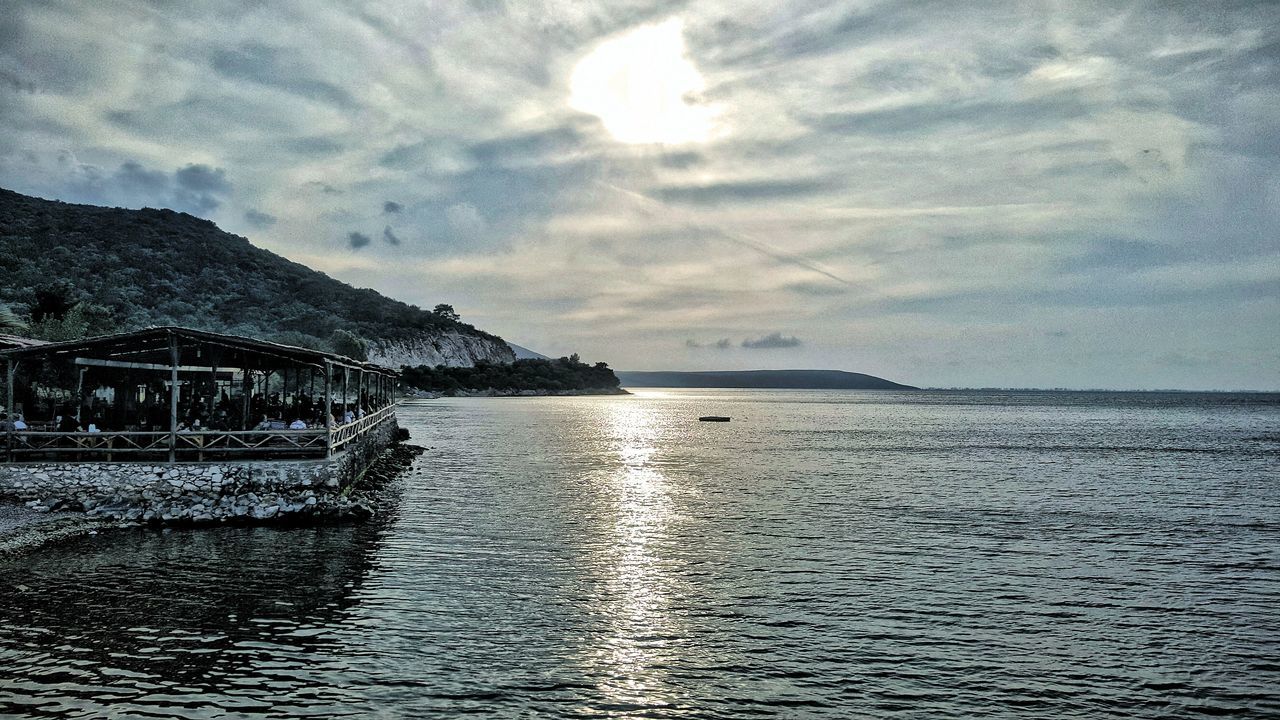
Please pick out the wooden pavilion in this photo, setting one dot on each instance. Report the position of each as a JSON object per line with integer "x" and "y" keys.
{"x": 182, "y": 395}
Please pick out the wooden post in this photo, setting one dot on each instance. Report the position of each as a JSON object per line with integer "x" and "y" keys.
{"x": 246, "y": 384}
{"x": 213, "y": 393}
{"x": 10, "y": 368}
{"x": 328, "y": 408}
{"x": 359, "y": 391}
{"x": 345, "y": 375}
{"x": 80, "y": 393}
{"x": 173, "y": 398}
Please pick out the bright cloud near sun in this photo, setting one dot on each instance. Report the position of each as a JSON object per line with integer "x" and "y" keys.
{"x": 644, "y": 87}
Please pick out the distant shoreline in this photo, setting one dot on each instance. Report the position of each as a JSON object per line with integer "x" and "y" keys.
{"x": 491, "y": 392}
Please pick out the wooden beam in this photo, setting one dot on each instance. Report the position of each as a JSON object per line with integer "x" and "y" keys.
{"x": 95, "y": 362}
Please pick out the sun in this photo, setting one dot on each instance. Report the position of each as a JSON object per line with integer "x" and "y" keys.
{"x": 644, "y": 88}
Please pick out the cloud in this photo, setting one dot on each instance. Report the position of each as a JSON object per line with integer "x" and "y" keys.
{"x": 358, "y": 240}
{"x": 202, "y": 178}
{"x": 390, "y": 236}
{"x": 259, "y": 219}
{"x": 277, "y": 68}
{"x": 391, "y": 207}
{"x": 465, "y": 219}
{"x": 772, "y": 341}
{"x": 721, "y": 344}
{"x": 741, "y": 191}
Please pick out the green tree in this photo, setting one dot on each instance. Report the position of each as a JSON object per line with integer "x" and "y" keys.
{"x": 446, "y": 311}
{"x": 10, "y": 322}
{"x": 348, "y": 343}
{"x": 79, "y": 321}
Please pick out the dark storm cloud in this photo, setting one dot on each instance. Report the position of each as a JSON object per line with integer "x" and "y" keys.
{"x": 772, "y": 341}
{"x": 390, "y": 236}
{"x": 391, "y": 207}
{"x": 259, "y": 219}
{"x": 202, "y": 178}
{"x": 358, "y": 240}
{"x": 195, "y": 189}
{"x": 134, "y": 178}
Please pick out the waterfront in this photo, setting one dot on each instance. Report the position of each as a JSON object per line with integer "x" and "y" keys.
{"x": 826, "y": 554}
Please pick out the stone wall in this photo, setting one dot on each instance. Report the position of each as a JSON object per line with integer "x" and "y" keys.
{"x": 199, "y": 492}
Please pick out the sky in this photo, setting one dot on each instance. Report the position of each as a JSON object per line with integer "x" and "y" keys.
{"x": 1021, "y": 194}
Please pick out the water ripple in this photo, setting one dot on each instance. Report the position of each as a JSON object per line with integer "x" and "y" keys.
{"x": 831, "y": 555}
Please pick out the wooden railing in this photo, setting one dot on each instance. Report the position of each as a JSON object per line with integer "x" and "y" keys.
{"x": 199, "y": 446}
{"x": 343, "y": 434}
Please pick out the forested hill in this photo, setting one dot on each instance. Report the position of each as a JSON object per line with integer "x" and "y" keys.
{"x": 160, "y": 267}
{"x": 785, "y": 379}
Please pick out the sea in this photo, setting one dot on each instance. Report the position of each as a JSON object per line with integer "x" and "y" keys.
{"x": 826, "y": 554}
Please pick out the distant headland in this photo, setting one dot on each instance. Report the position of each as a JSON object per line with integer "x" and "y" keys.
{"x": 763, "y": 379}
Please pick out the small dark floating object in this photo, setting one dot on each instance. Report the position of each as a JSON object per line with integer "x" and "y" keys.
{"x": 713, "y": 418}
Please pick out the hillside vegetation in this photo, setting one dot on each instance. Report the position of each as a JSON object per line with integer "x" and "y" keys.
{"x": 135, "y": 268}
{"x": 553, "y": 376}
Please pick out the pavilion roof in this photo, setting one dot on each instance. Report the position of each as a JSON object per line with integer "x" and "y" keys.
{"x": 199, "y": 348}
{"x": 12, "y": 341}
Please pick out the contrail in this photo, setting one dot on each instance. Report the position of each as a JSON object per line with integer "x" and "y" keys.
{"x": 734, "y": 237}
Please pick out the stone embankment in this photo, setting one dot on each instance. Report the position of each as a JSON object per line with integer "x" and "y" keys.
{"x": 200, "y": 492}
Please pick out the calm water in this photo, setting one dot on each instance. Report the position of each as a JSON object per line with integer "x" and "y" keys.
{"x": 826, "y": 554}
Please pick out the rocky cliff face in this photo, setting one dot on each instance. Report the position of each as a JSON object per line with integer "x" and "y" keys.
{"x": 446, "y": 348}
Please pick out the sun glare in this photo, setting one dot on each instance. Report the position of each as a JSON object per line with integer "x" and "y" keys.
{"x": 644, "y": 88}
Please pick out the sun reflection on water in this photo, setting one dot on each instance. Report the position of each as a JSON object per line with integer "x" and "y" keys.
{"x": 639, "y": 583}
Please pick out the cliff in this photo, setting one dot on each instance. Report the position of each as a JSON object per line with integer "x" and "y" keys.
{"x": 449, "y": 347}
{"x": 140, "y": 268}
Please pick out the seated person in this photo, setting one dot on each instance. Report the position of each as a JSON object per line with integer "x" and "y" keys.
{"x": 19, "y": 424}
{"x": 298, "y": 424}
{"x": 263, "y": 424}
{"x": 69, "y": 424}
